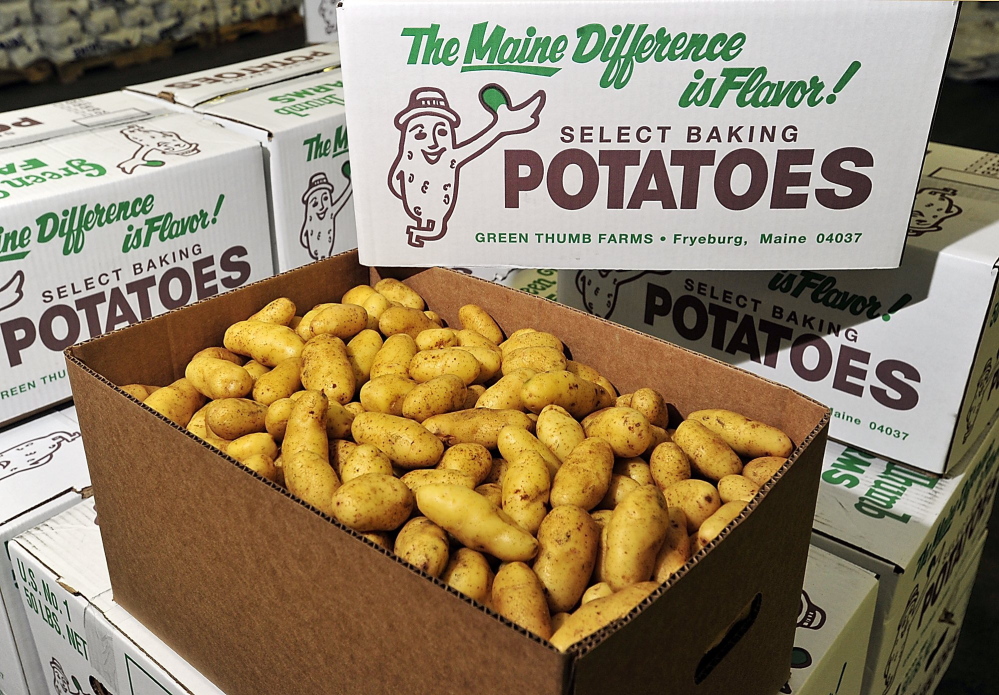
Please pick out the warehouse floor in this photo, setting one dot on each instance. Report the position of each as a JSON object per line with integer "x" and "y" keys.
{"x": 967, "y": 116}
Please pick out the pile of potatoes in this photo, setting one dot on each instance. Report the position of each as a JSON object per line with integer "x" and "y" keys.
{"x": 494, "y": 463}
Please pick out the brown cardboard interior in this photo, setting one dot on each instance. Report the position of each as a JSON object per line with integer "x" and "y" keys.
{"x": 217, "y": 561}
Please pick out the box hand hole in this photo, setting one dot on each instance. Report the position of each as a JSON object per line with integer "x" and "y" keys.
{"x": 722, "y": 646}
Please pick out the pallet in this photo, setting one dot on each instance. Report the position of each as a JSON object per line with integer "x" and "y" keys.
{"x": 39, "y": 71}
{"x": 70, "y": 72}
{"x": 264, "y": 25}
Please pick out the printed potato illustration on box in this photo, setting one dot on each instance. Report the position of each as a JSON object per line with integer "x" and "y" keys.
{"x": 105, "y": 228}
{"x": 679, "y": 136}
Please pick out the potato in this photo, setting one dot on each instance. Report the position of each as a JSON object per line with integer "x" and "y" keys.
{"x": 698, "y": 500}
{"x": 383, "y": 539}
{"x": 469, "y": 338}
{"x": 652, "y": 405}
{"x": 659, "y": 436}
{"x": 255, "y": 370}
{"x": 253, "y": 444}
{"x": 340, "y": 452}
{"x": 519, "y": 597}
{"x": 338, "y": 420}
{"x": 668, "y": 464}
{"x": 761, "y": 470}
{"x": 476, "y": 522}
{"x": 231, "y": 418}
{"x": 600, "y": 612}
{"x": 567, "y": 551}
{"x": 262, "y": 465}
{"x": 372, "y": 502}
{"x": 478, "y": 425}
{"x": 357, "y": 294}
{"x": 575, "y": 394}
{"x": 218, "y": 378}
{"x": 430, "y": 364}
{"x": 386, "y": 394}
{"x": 540, "y": 359}
{"x": 282, "y": 381}
{"x": 267, "y": 343}
{"x": 675, "y": 550}
{"x": 304, "y": 328}
{"x": 280, "y": 311}
{"x": 526, "y": 486}
{"x": 625, "y": 429}
{"x": 598, "y": 590}
{"x": 436, "y": 338}
{"x": 326, "y": 368}
{"x": 635, "y": 533}
{"x": 177, "y": 402}
{"x": 309, "y": 477}
{"x": 342, "y": 321}
{"x": 423, "y": 544}
{"x": 505, "y": 393}
{"x": 416, "y": 479}
{"x": 277, "y": 416}
{"x": 717, "y": 522}
{"x": 364, "y": 459}
{"x": 558, "y": 620}
{"x": 591, "y": 374}
{"x": 361, "y": 351}
{"x": 435, "y": 317}
{"x": 354, "y": 408}
{"x": 489, "y": 359}
{"x": 748, "y": 438}
{"x": 498, "y": 470}
{"x": 440, "y": 395}
{"x": 472, "y": 395}
{"x": 620, "y": 487}
{"x": 408, "y": 444}
{"x": 492, "y": 492}
{"x": 139, "y": 392}
{"x": 602, "y": 516}
{"x": 376, "y": 305}
{"x": 306, "y": 429}
{"x": 559, "y": 431}
{"x": 636, "y": 469}
{"x": 469, "y": 573}
{"x": 529, "y": 337}
{"x": 400, "y": 319}
{"x": 220, "y": 353}
{"x": 709, "y": 455}
{"x": 514, "y": 442}
{"x": 199, "y": 428}
{"x": 585, "y": 475}
{"x": 394, "y": 356}
{"x": 736, "y": 488}
{"x": 473, "y": 460}
{"x": 475, "y": 318}
{"x": 400, "y": 292}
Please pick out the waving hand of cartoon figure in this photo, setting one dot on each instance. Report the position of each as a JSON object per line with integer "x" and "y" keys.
{"x": 33, "y": 453}
{"x": 13, "y": 291}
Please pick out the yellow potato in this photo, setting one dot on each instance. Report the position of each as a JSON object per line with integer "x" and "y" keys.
{"x": 559, "y": 431}
{"x": 339, "y": 420}
{"x": 526, "y": 486}
{"x": 306, "y": 428}
{"x": 591, "y": 374}
{"x": 469, "y": 338}
{"x": 669, "y": 465}
{"x": 530, "y": 338}
{"x": 624, "y": 400}
{"x": 376, "y": 305}
{"x": 382, "y": 539}
{"x": 736, "y": 488}
{"x": 436, "y": 338}
{"x": 636, "y": 469}
{"x": 475, "y": 318}
{"x": 357, "y": 294}
{"x": 659, "y": 436}
{"x": 400, "y": 292}
{"x": 394, "y": 356}
{"x": 598, "y": 590}
{"x": 749, "y": 438}
{"x": 598, "y": 568}
{"x": 599, "y": 613}
{"x": 361, "y": 351}
{"x": 354, "y": 408}
{"x": 625, "y": 429}
{"x": 295, "y": 320}
{"x": 430, "y": 364}
{"x": 761, "y": 470}
{"x": 519, "y": 597}
{"x": 567, "y": 551}
{"x": 635, "y": 533}
{"x": 262, "y": 465}
{"x": 400, "y": 319}
{"x": 343, "y": 321}
{"x": 326, "y": 368}
{"x": 492, "y": 492}
{"x": 469, "y": 573}
{"x": 576, "y": 395}
{"x": 540, "y": 359}
{"x": 620, "y": 487}
{"x": 602, "y": 516}
{"x": 423, "y": 544}
{"x": 478, "y": 425}
{"x": 255, "y": 370}
{"x": 408, "y": 444}
{"x": 498, "y": 470}
{"x": 277, "y": 416}
{"x": 473, "y": 460}
{"x": 514, "y": 442}
{"x": 309, "y": 477}
{"x": 675, "y": 550}
{"x": 443, "y": 394}
{"x": 558, "y": 620}
{"x": 177, "y": 402}
{"x": 267, "y": 343}
{"x": 199, "y": 428}
{"x": 218, "y": 378}
{"x": 698, "y": 500}
{"x": 489, "y": 359}
{"x": 435, "y": 317}
{"x": 710, "y": 457}
{"x": 652, "y": 405}
{"x": 585, "y": 475}
{"x": 219, "y": 353}
{"x": 717, "y": 522}
{"x": 280, "y": 311}
{"x": 386, "y": 394}
{"x": 139, "y": 392}
{"x": 254, "y": 444}
{"x": 505, "y": 393}
{"x": 304, "y": 328}
{"x": 372, "y": 502}
{"x": 364, "y": 459}
{"x": 282, "y": 381}
{"x": 476, "y": 522}
{"x": 416, "y": 479}
{"x": 472, "y": 395}
{"x": 231, "y": 418}
{"x": 340, "y": 452}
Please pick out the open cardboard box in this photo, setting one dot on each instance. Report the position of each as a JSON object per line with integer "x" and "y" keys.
{"x": 264, "y": 594}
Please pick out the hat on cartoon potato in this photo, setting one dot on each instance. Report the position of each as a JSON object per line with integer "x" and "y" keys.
{"x": 427, "y": 101}
{"x": 318, "y": 182}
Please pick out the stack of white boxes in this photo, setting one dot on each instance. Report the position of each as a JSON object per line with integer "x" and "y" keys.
{"x": 19, "y": 45}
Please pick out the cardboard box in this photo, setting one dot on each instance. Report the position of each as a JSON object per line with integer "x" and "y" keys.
{"x": 833, "y": 628}
{"x": 905, "y": 380}
{"x": 917, "y": 533}
{"x": 681, "y": 135}
{"x": 305, "y": 574}
{"x": 43, "y": 471}
{"x": 85, "y": 642}
{"x": 301, "y": 125}
{"x": 103, "y": 228}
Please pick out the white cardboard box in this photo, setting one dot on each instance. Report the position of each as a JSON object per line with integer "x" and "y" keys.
{"x": 103, "y": 228}
{"x": 320, "y": 20}
{"x": 919, "y": 534}
{"x": 908, "y": 359}
{"x": 299, "y": 120}
{"x": 43, "y": 471}
{"x": 86, "y": 643}
{"x": 834, "y": 627}
{"x": 682, "y": 134}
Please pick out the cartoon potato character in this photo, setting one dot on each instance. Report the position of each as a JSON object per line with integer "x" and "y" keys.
{"x": 318, "y": 233}
{"x": 984, "y": 382}
{"x": 933, "y": 206}
{"x": 152, "y": 142}
{"x": 327, "y": 11}
{"x": 424, "y": 175}
{"x": 33, "y": 453}
{"x": 599, "y": 288}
